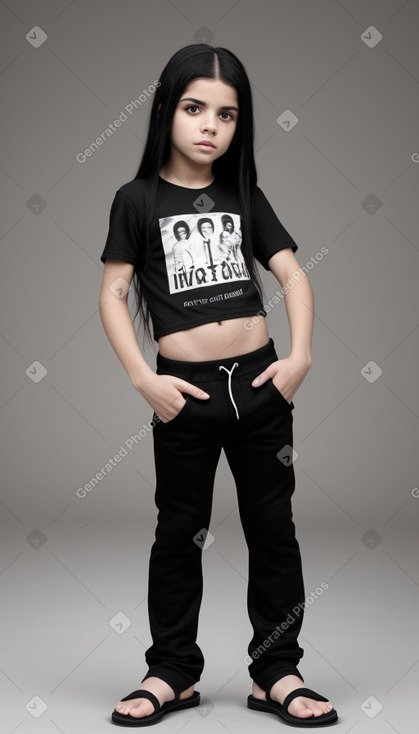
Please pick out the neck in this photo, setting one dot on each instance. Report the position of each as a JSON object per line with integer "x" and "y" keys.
{"x": 183, "y": 172}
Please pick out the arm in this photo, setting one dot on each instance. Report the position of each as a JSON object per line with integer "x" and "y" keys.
{"x": 162, "y": 392}
{"x": 299, "y": 303}
{"x": 116, "y": 321}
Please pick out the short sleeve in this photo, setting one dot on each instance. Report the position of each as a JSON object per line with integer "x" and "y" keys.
{"x": 270, "y": 236}
{"x": 123, "y": 240}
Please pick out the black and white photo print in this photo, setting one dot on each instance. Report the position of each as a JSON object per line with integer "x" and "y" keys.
{"x": 202, "y": 250}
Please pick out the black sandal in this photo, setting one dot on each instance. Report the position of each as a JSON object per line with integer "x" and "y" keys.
{"x": 159, "y": 711}
{"x": 273, "y": 707}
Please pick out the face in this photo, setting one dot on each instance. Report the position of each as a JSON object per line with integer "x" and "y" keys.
{"x": 206, "y": 229}
{"x": 199, "y": 115}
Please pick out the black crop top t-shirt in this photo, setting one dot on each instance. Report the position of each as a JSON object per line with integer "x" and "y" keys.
{"x": 196, "y": 271}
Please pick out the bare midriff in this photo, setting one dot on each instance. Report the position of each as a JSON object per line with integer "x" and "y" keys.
{"x": 216, "y": 340}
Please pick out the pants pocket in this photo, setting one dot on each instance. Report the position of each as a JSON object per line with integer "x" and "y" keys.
{"x": 278, "y": 395}
{"x": 184, "y": 411}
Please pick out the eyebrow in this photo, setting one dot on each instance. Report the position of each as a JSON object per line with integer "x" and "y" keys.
{"x": 198, "y": 101}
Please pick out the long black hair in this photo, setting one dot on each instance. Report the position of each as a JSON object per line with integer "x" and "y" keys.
{"x": 236, "y": 166}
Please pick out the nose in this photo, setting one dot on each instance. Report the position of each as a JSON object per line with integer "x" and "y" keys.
{"x": 209, "y": 124}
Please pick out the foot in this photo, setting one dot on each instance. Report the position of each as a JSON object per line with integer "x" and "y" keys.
{"x": 139, "y": 707}
{"x": 301, "y": 706}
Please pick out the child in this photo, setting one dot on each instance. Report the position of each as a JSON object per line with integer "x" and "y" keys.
{"x": 218, "y": 381}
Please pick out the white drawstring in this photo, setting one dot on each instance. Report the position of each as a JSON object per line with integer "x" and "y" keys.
{"x": 221, "y": 367}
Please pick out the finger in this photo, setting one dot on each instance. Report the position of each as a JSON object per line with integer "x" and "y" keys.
{"x": 193, "y": 390}
{"x": 262, "y": 378}
{"x": 172, "y": 408}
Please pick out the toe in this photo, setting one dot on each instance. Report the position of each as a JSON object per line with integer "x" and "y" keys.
{"x": 137, "y": 708}
{"x": 306, "y": 707}
{"x": 319, "y": 707}
{"x": 141, "y": 710}
{"x": 299, "y": 708}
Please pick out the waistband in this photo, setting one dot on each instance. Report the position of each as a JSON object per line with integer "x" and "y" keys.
{"x": 210, "y": 369}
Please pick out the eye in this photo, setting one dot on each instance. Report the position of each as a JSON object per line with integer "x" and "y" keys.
{"x": 195, "y": 107}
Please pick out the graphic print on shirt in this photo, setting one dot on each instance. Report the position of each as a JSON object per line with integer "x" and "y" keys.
{"x": 202, "y": 250}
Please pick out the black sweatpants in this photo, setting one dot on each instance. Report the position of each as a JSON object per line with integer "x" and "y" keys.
{"x": 254, "y": 427}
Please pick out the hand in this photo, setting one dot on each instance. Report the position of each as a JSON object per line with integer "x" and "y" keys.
{"x": 164, "y": 394}
{"x": 286, "y": 374}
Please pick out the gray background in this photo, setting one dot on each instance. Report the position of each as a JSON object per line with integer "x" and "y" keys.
{"x": 74, "y": 570}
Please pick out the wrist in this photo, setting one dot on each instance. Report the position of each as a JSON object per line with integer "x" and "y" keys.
{"x": 140, "y": 375}
{"x": 302, "y": 356}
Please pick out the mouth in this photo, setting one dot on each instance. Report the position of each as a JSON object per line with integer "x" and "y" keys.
{"x": 205, "y": 144}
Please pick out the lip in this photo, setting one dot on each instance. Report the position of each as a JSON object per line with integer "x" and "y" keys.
{"x": 207, "y": 143}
